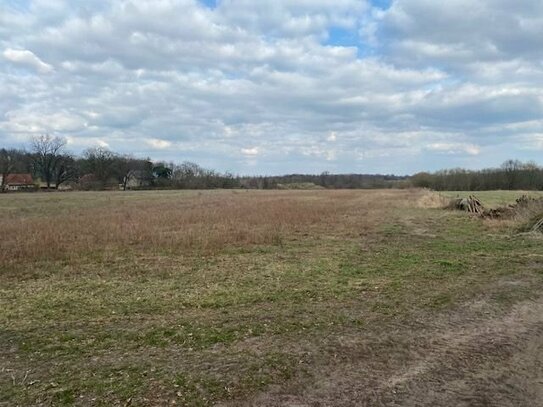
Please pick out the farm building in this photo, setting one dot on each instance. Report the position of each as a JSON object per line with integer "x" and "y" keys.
{"x": 17, "y": 182}
{"x": 137, "y": 179}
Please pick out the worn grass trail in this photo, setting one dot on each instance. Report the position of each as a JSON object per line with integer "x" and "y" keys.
{"x": 473, "y": 356}
{"x": 262, "y": 298}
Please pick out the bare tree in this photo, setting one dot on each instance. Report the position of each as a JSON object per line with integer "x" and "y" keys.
{"x": 511, "y": 169}
{"x": 7, "y": 164}
{"x": 66, "y": 170}
{"x": 47, "y": 155}
{"x": 100, "y": 162}
{"x": 129, "y": 168}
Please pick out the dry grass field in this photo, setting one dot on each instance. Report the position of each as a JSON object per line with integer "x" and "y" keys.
{"x": 265, "y": 298}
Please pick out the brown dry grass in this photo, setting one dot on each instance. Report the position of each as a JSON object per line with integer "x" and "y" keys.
{"x": 430, "y": 199}
{"x": 204, "y": 222}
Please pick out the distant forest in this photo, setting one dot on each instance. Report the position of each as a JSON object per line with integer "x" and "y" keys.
{"x": 50, "y": 166}
{"x": 512, "y": 174}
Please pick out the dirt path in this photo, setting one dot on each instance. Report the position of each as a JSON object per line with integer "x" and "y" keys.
{"x": 469, "y": 358}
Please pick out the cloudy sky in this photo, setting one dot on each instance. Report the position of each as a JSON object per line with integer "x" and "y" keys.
{"x": 279, "y": 86}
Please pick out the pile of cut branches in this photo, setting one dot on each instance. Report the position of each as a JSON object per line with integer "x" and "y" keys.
{"x": 537, "y": 226}
{"x": 470, "y": 204}
{"x": 527, "y": 211}
{"x": 524, "y": 207}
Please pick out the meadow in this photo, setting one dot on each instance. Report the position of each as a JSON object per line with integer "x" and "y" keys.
{"x": 264, "y": 298}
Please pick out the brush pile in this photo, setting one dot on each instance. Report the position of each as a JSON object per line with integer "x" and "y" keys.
{"x": 470, "y": 204}
{"x": 527, "y": 211}
{"x": 538, "y": 226}
{"x": 523, "y": 207}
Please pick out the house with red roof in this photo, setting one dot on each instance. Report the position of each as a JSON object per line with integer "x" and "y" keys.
{"x": 17, "y": 182}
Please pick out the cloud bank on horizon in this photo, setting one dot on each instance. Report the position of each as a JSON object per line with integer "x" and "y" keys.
{"x": 279, "y": 86}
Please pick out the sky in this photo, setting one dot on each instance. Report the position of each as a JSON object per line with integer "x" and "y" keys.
{"x": 282, "y": 86}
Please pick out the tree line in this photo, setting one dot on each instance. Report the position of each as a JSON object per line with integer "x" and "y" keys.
{"x": 512, "y": 174}
{"x": 53, "y": 167}
{"x": 325, "y": 180}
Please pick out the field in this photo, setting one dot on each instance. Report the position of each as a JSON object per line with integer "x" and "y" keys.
{"x": 266, "y": 298}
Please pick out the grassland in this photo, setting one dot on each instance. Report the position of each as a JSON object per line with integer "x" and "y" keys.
{"x": 264, "y": 298}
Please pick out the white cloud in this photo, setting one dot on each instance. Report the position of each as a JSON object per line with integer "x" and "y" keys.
{"x": 429, "y": 83}
{"x": 26, "y": 57}
{"x": 253, "y": 151}
{"x": 102, "y": 143}
{"x": 158, "y": 144}
{"x": 455, "y": 148}
{"x": 30, "y": 122}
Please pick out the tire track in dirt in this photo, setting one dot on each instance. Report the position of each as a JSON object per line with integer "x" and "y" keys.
{"x": 494, "y": 362}
{"x": 460, "y": 360}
